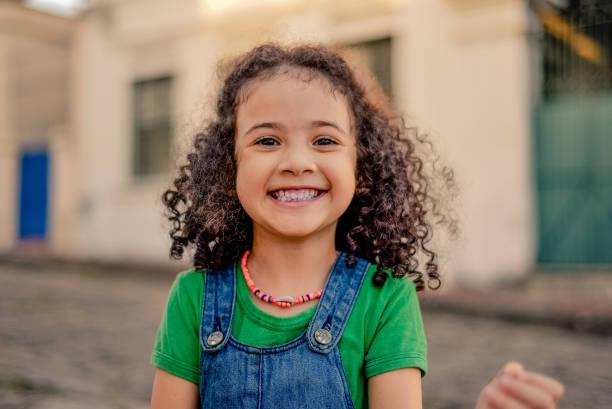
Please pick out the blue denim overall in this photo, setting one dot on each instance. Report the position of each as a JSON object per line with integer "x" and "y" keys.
{"x": 304, "y": 373}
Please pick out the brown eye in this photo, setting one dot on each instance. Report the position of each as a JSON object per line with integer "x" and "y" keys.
{"x": 325, "y": 141}
{"x": 266, "y": 141}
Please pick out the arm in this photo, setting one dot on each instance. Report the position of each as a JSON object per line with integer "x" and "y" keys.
{"x": 514, "y": 387}
{"x": 400, "y": 388}
{"x": 176, "y": 352}
{"x": 170, "y": 391}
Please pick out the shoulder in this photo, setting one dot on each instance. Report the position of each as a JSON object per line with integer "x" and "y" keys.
{"x": 392, "y": 288}
{"x": 395, "y": 296}
{"x": 188, "y": 278}
{"x": 187, "y": 288}
{"x": 177, "y": 342}
{"x": 393, "y": 326}
{"x": 377, "y": 307}
{"x": 184, "y": 306}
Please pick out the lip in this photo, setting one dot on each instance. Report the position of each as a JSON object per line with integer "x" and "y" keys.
{"x": 295, "y": 188}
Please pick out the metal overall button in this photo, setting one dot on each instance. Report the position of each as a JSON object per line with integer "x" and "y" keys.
{"x": 323, "y": 336}
{"x": 215, "y": 338}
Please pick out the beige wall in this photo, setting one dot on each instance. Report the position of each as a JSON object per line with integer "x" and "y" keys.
{"x": 119, "y": 215}
{"x": 35, "y": 52}
{"x": 460, "y": 70}
{"x": 467, "y": 81}
{"x": 8, "y": 154}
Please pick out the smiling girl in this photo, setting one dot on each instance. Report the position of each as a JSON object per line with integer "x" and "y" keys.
{"x": 306, "y": 206}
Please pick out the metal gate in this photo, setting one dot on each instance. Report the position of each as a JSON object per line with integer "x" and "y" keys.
{"x": 573, "y": 132}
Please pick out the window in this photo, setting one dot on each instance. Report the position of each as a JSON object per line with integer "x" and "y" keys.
{"x": 376, "y": 54}
{"x": 152, "y": 125}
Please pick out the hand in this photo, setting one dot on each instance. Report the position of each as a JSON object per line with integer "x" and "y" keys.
{"x": 516, "y": 388}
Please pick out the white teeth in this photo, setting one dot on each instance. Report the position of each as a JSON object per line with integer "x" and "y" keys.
{"x": 294, "y": 195}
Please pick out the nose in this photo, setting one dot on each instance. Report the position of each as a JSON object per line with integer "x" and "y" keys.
{"x": 296, "y": 159}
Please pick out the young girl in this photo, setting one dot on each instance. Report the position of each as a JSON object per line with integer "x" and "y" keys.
{"x": 300, "y": 199}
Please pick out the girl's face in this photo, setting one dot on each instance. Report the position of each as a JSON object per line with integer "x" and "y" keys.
{"x": 296, "y": 156}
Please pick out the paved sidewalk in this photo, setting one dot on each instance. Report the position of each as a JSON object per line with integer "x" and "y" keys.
{"x": 77, "y": 339}
{"x": 576, "y": 301}
{"x": 80, "y": 336}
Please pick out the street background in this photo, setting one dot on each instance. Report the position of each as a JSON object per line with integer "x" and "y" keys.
{"x": 99, "y": 104}
{"x": 79, "y": 336}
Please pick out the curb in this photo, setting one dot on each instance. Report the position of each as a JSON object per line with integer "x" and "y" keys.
{"x": 591, "y": 315}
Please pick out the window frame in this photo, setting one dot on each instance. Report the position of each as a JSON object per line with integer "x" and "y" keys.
{"x": 140, "y": 168}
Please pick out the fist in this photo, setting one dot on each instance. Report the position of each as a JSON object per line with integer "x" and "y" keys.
{"x": 516, "y": 388}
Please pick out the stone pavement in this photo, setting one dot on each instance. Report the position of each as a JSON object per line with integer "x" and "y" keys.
{"x": 577, "y": 301}
{"x": 79, "y": 336}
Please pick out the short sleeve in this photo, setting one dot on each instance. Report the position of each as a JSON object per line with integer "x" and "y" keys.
{"x": 399, "y": 340}
{"x": 177, "y": 345}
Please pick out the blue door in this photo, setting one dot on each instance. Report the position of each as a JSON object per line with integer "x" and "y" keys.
{"x": 33, "y": 195}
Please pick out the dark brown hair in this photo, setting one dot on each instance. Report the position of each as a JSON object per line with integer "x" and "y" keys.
{"x": 386, "y": 221}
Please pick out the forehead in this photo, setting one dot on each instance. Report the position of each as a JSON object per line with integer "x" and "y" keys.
{"x": 294, "y": 95}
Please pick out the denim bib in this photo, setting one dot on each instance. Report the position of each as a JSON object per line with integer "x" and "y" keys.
{"x": 304, "y": 373}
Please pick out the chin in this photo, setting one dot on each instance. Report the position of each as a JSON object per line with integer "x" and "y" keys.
{"x": 296, "y": 232}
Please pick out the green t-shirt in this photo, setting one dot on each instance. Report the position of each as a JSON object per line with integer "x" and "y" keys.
{"x": 384, "y": 331}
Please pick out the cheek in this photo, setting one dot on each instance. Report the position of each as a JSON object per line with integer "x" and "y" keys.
{"x": 244, "y": 181}
{"x": 344, "y": 178}
{"x": 244, "y": 192}
{"x": 241, "y": 180}
{"x": 251, "y": 177}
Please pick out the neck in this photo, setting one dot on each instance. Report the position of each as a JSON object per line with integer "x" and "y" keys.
{"x": 292, "y": 267}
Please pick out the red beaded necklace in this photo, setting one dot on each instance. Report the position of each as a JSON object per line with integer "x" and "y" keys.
{"x": 284, "y": 301}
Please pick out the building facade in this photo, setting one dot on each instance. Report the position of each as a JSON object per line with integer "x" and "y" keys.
{"x": 143, "y": 75}
{"x": 37, "y": 148}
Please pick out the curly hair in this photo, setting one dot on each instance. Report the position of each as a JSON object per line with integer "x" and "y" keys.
{"x": 387, "y": 219}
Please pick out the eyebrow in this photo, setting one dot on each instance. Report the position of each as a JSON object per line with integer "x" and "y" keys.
{"x": 271, "y": 125}
{"x": 319, "y": 124}
{"x": 277, "y": 126}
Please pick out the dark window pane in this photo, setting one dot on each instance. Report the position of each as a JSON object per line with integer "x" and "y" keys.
{"x": 377, "y": 57}
{"x": 152, "y": 125}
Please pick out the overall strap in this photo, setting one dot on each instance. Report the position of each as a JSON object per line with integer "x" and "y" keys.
{"x": 218, "y": 308}
{"x": 336, "y": 304}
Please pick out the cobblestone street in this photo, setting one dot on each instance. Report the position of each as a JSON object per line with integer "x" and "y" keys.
{"x": 81, "y": 339}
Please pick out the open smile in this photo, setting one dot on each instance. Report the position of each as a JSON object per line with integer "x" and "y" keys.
{"x": 296, "y": 195}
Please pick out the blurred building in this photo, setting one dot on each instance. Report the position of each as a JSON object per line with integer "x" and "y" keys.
{"x": 37, "y": 150}
{"x": 477, "y": 75}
